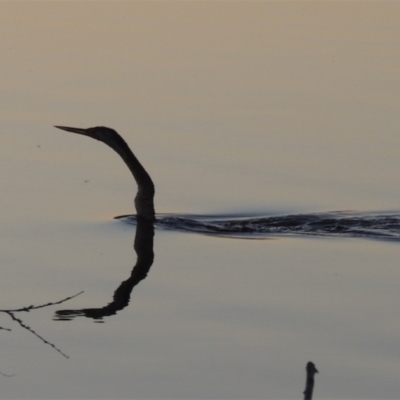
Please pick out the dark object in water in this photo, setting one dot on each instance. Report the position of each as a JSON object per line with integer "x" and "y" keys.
{"x": 311, "y": 371}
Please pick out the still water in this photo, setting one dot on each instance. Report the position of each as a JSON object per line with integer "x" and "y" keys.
{"x": 238, "y": 111}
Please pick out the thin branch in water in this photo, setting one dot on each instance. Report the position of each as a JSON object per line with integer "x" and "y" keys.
{"x": 32, "y": 307}
{"x": 5, "y": 329}
{"x": 36, "y": 334}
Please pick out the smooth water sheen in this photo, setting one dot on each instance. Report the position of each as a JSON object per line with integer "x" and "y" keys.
{"x": 255, "y": 120}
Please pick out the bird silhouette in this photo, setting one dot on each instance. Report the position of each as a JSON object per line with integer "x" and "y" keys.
{"x": 144, "y": 200}
{"x": 344, "y": 224}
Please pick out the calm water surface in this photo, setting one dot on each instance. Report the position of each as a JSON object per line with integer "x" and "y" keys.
{"x": 234, "y": 109}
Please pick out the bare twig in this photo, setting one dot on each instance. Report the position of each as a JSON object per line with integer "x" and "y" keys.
{"x": 21, "y": 323}
{"x": 36, "y": 334}
{"x": 5, "y": 329}
{"x": 32, "y": 307}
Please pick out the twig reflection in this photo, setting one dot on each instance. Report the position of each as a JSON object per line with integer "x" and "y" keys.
{"x": 11, "y": 314}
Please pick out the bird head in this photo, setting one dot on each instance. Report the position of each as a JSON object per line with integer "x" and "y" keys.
{"x": 99, "y": 132}
{"x": 144, "y": 199}
{"x": 106, "y": 135}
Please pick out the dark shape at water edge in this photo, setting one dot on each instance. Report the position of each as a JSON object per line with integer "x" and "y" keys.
{"x": 311, "y": 371}
{"x": 383, "y": 226}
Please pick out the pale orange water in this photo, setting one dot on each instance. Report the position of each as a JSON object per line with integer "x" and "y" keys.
{"x": 232, "y": 107}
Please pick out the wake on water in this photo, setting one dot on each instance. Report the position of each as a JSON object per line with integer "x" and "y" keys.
{"x": 371, "y": 225}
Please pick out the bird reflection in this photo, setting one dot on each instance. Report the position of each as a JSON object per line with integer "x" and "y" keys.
{"x": 145, "y": 216}
{"x": 143, "y": 246}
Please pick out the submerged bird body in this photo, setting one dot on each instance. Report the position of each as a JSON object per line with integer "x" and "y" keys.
{"x": 343, "y": 224}
{"x": 144, "y": 200}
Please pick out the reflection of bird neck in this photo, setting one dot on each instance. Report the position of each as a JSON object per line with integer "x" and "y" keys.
{"x": 144, "y": 200}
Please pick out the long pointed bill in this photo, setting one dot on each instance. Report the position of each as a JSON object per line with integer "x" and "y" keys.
{"x": 86, "y": 132}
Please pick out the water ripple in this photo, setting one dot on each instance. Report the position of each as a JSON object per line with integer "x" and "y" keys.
{"x": 338, "y": 224}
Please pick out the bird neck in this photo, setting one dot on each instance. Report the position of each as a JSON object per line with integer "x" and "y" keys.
{"x": 141, "y": 176}
{"x": 144, "y": 200}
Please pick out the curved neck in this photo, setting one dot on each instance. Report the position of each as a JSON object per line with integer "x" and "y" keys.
{"x": 144, "y": 200}
{"x": 141, "y": 176}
